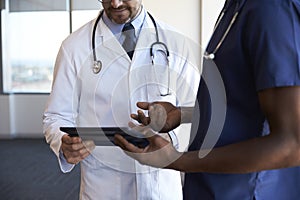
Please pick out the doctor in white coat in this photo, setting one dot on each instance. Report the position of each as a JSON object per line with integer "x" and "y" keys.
{"x": 83, "y": 96}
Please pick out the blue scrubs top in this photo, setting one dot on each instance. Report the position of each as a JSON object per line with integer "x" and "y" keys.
{"x": 261, "y": 50}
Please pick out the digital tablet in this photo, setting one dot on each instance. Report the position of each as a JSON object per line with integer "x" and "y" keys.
{"x": 104, "y": 136}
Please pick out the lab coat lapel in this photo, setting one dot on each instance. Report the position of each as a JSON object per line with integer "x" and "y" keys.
{"x": 140, "y": 68}
{"x": 106, "y": 39}
{"x": 146, "y": 38}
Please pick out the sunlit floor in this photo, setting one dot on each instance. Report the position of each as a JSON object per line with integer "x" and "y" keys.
{"x": 29, "y": 171}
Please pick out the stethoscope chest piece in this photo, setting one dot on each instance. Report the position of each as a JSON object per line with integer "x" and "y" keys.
{"x": 97, "y": 66}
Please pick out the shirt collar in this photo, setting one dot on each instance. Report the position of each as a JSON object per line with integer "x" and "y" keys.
{"x": 117, "y": 28}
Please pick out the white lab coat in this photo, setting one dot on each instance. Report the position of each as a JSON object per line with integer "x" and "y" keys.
{"x": 81, "y": 98}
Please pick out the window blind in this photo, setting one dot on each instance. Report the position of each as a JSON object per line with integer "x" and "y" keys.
{"x": 51, "y": 5}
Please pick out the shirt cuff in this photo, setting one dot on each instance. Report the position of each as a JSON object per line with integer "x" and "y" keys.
{"x": 64, "y": 165}
{"x": 174, "y": 139}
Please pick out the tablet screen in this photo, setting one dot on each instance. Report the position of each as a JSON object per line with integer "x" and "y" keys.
{"x": 104, "y": 136}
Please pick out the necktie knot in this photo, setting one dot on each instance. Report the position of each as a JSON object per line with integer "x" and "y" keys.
{"x": 129, "y": 42}
{"x": 127, "y": 27}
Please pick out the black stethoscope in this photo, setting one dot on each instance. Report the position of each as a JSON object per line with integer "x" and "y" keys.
{"x": 237, "y": 10}
{"x": 97, "y": 65}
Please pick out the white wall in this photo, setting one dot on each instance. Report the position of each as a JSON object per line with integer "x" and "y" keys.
{"x": 184, "y": 15}
{"x": 4, "y": 115}
{"x": 209, "y": 14}
{"x": 21, "y": 115}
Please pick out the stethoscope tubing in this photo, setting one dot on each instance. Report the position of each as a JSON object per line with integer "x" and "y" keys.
{"x": 98, "y": 64}
{"x": 237, "y": 10}
{"x": 151, "y": 48}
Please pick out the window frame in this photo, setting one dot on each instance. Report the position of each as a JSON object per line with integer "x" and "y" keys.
{"x": 69, "y": 8}
{"x": 1, "y": 60}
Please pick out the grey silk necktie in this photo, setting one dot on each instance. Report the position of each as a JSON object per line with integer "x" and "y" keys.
{"x": 129, "y": 42}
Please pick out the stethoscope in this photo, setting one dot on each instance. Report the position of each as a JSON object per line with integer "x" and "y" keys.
{"x": 97, "y": 65}
{"x": 239, "y": 5}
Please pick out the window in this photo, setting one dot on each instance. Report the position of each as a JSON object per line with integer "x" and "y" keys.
{"x": 32, "y": 31}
